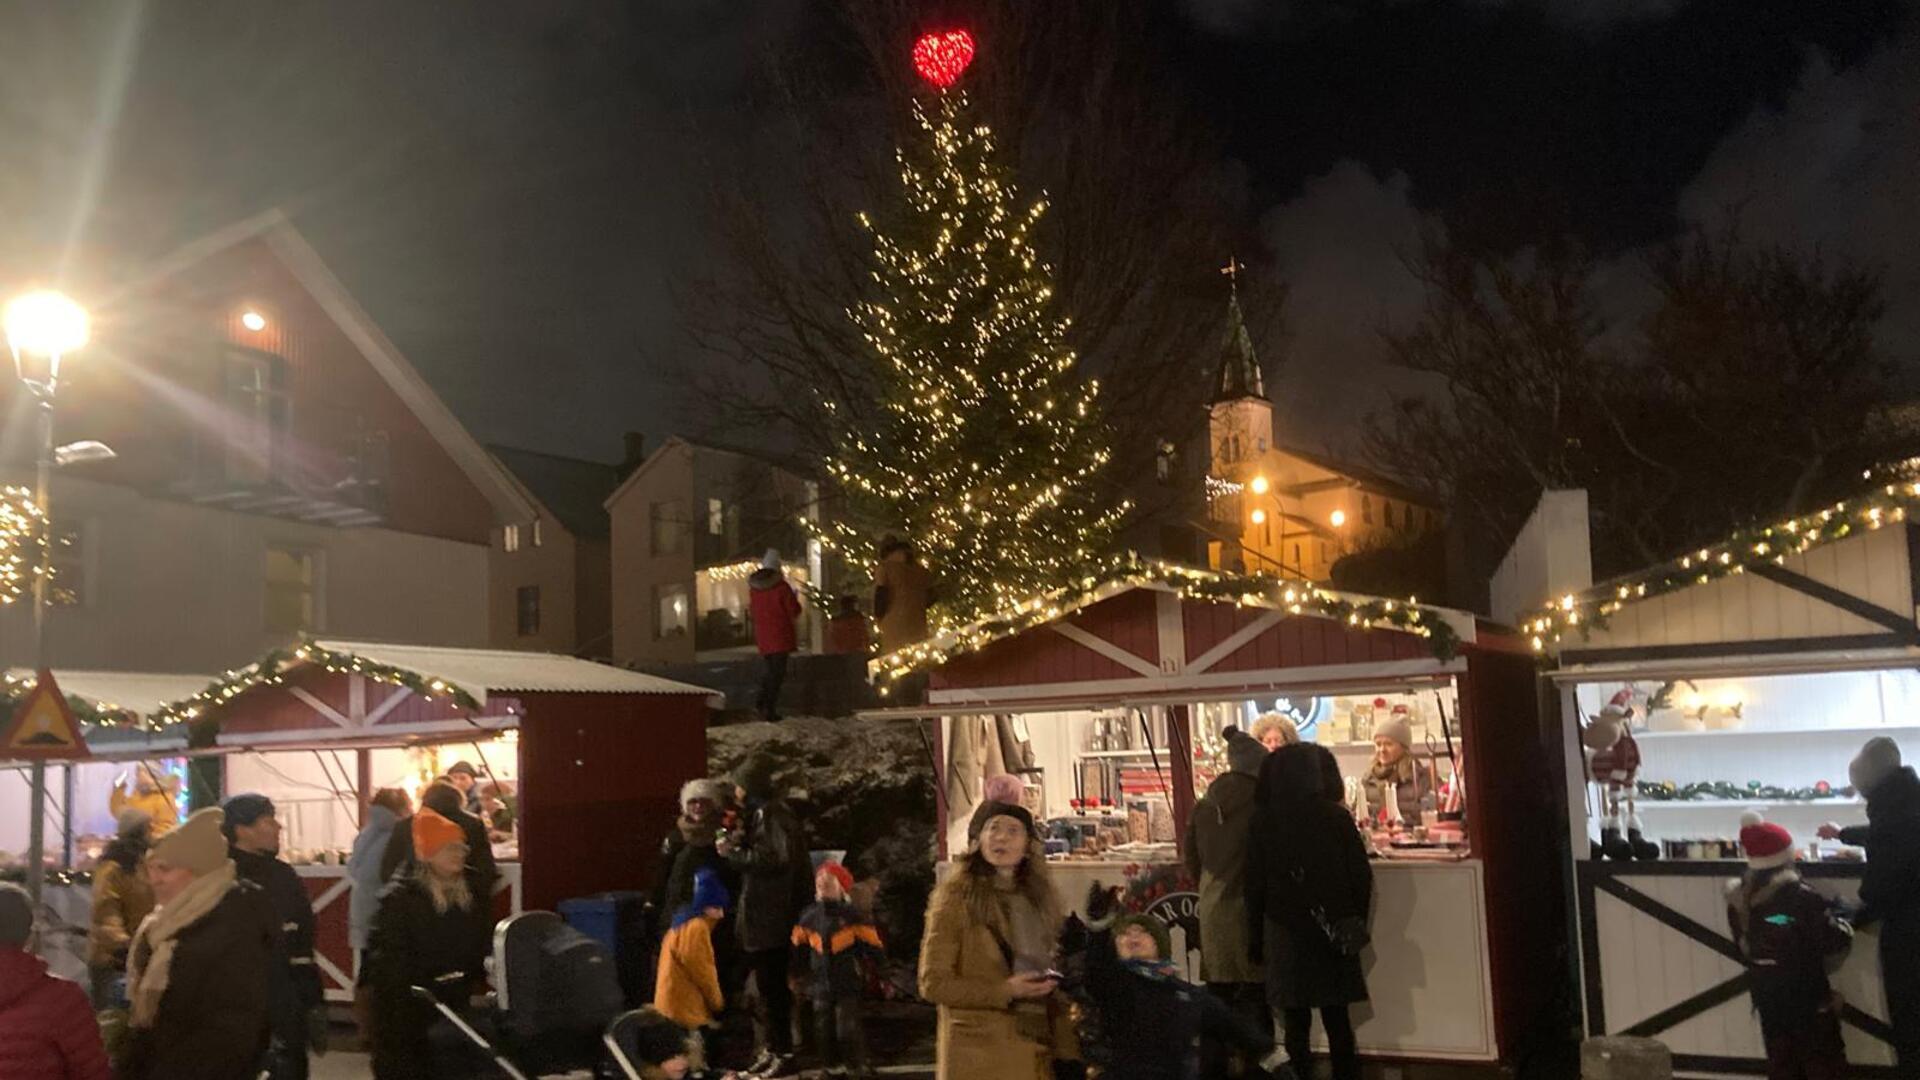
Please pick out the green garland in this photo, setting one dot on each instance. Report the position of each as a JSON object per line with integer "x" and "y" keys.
{"x": 1723, "y": 791}
{"x": 1759, "y": 546}
{"x": 272, "y": 669}
{"x": 15, "y": 688}
{"x": 1242, "y": 590}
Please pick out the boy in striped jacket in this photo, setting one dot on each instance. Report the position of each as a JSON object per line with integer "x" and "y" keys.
{"x": 830, "y": 941}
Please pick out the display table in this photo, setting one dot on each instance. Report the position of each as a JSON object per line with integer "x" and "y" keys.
{"x": 331, "y": 892}
{"x": 1658, "y": 958}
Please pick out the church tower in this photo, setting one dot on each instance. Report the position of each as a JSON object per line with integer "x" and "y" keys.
{"x": 1241, "y": 422}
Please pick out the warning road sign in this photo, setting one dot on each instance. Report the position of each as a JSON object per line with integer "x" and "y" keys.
{"x": 42, "y": 726}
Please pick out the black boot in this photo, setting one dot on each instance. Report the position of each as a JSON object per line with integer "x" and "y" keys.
{"x": 1643, "y": 848}
{"x": 1614, "y": 845}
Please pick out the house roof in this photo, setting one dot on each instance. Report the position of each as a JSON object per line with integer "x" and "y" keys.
{"x": 298, "y": 256}
{"x": 573, "y": 490}
{"x": 1239, "y": 374}
{"x": 681, "y": 442}
{"x": 483, "y": 671}
{"x": 1380, "y": 482}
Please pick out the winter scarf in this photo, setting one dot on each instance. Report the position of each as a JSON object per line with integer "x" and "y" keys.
{"x": 1400, "y": 773}
{"x": 147, "y": 982}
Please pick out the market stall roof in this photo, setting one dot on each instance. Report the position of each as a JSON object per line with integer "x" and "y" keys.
{"x": 483, "y": 671}
{"x": 134, "y": 692}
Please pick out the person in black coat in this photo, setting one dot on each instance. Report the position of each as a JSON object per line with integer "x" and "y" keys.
{"x": 197, "y": 970}
{"x": 1890, "y": 885}
{"x": 1308, "y": 882}
{"x": 432, "y": 931}
{"x": 691, "y": 846}
{"x": 444, "y": 799}
{"x": 776, "y": 881}
{"x": 1139, "y": 1020}
{"x": 253, "y": 834}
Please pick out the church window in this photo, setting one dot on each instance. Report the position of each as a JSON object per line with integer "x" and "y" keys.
{"x": 1366, "y": 509}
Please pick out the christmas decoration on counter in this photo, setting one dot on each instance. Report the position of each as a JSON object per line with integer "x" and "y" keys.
{"x": 1753, "y": 791}
{"x": 1759, "y": 546}
{"x": 1131, "y": 571}
{"x": 974, "y": 435}
{"x": 1613, "y": 764}
{"x": 272, "y": 670}
{"x": 23, "y": 531}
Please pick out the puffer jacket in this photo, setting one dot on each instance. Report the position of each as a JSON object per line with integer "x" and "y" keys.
{"x": 776, "y": 876}
{"x": 775, "y": 607}
{"x": 831, "y": 940}
{"x": 1217, "y": 857}
{"x": 121, "y": 899}
{"x": 47, "y": 1028}
{"x": 687, "y": 988}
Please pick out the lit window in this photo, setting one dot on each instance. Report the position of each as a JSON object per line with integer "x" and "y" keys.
{"x": 1366, "y": 509}
{"x": 536, "y": 532}
{"x": 527, "y": 610}
{"x": 716, "y": 517}
{"x": 292, "y": 590}
{"x": 672, "y": 612}
{"x": 510, "y": 538}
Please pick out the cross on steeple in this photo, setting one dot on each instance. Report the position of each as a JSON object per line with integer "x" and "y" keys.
{"x": 1232, "y": 270}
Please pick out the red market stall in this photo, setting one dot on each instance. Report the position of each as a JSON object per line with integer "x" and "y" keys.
{"x": 1109, "y": 704}
{"x": 591, "y": 756}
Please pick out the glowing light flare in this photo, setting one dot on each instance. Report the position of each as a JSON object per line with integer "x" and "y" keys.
{"x": 941, "y": 57}
{"x": 45, "y": 323}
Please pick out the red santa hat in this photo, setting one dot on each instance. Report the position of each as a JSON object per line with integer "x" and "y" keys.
{"x": 1767, "y": 845}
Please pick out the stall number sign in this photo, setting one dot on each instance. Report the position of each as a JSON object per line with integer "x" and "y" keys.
{"x": 42, "y": 726}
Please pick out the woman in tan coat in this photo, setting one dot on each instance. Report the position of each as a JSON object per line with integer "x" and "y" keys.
{"x": 992, "y": 928}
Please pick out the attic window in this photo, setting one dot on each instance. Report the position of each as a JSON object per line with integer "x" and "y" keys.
{"x": 510, "y": 538}
{"x": 536, "y": 532}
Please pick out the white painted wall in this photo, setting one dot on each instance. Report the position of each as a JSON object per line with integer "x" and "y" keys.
{"x": 176, "y": 587}
{"x": 1552, "y": 556}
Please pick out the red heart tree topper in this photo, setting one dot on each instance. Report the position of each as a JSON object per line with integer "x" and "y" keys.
{"x": 941, "y": 57}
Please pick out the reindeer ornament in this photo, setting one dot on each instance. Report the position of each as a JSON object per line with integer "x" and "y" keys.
{"x": 1613, "y": 764}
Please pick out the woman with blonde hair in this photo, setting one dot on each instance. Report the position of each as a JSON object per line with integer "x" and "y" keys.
{"x": 1273, "y": 731}
{"x": 988, "y": 956}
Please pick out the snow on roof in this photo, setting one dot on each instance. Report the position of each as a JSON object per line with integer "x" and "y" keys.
{"x": 137, "y": 692}
{"x": 483, "y": 671}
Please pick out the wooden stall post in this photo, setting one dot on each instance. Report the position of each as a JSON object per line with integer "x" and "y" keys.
{"x": 1180, "y": 746}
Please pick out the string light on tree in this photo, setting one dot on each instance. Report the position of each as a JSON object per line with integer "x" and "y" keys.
{"x": 983, "y": 446}
{"x": 22, "y": 531}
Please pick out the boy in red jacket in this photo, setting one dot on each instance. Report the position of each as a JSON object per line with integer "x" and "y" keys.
{"x": 47, "y": 1026}
{"x": 774, "y": 607}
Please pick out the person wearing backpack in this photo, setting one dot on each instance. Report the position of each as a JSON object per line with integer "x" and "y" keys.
{"x": 1788, "y": 933}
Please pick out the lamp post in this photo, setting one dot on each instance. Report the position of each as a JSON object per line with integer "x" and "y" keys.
{"x": 42, "y": 327}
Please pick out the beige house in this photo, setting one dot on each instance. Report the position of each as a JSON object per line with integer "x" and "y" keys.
{"x": 1295, "y": 513}
{"x": 688, "y": 526}
{"x": 550, "y": 576}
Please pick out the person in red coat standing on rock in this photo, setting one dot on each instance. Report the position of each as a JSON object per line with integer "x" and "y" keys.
{"x": 776, "y": 608}
{"x": 47, "y": 1026}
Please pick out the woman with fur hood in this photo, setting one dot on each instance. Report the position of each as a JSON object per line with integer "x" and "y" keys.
{"x": 689, "y": 846}
{"x": 987, "y": 958}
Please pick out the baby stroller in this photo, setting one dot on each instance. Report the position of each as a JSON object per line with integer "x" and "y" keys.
{"x": 556, "y": 991}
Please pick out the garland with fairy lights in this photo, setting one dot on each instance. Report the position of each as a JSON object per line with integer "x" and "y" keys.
{"x": 22, "y": 532}
{"x": 1724, "y": 791}
{"x": 983, "y": 444}
{"x": 15, "y": 688}
{"x": 1759, "y": 546}
{"x": 272, "y": 670}
{"x": 1366, "y": 613}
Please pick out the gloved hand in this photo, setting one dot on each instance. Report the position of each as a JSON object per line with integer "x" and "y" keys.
{"x": 319, "y": 1030}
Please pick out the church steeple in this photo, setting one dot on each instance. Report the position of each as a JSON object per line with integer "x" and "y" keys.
{"x": 1239, "y": 375}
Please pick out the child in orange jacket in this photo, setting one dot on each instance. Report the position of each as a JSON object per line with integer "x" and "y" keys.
{"x": 687, "y": 990}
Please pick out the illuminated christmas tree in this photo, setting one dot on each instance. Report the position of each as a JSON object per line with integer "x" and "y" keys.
{"x": 983, "y": 446}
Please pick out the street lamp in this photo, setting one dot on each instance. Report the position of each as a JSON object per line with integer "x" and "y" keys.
{"x": 1338, "y": 518}
{"x": 42, "y": 326}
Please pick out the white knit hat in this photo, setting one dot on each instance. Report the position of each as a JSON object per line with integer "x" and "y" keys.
{"x": 1877, "y": 760}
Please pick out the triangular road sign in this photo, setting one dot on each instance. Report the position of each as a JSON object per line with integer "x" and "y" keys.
{"x": 42, "y": 726}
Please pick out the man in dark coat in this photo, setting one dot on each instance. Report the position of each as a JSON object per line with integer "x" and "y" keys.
{"x": 198, "y": 970}
{"x": 1307, "y": 873}
{"x": 1890, "y": 885}
{"x": 776, "y": 882}
{"x": 1217, "y": 858}
{"x": 253, "y": 833}
{"x": 444, "y": 799}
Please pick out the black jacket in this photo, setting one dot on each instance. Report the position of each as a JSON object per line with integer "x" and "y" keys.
{"x": 1139, "y": 1022}
{"x": 776, "y": 876}
{"x": 830, "y": 939}
{"x": 1304, "y": 853}
{"x": 411, "y": 945}
{"x": 213, "y": 1019}
{"x": 688, "y": 849}
{"x": 295, "y": 986}
{"x": 1890, "y": 885}
{"x": 1787, "y": 932}
{"x": 398, "y": 858}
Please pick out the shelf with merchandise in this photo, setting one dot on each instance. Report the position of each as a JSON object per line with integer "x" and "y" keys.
{"x": 1851, "y": 730}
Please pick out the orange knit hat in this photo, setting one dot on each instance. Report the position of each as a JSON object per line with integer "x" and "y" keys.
{"x": 431, "y": 832}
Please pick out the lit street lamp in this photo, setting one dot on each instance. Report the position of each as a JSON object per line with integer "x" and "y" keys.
{"x": 42, "y": 327}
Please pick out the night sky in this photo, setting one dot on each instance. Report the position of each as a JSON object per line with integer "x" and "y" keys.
{"x": 516, "y": 191}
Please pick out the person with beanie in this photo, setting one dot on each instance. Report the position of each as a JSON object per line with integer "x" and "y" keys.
{"x": 1788, "y": 933}
{"x": 769, "y": 851}
{"x": 433, "y": 929}
{"x": 444, "y": 799}
{"x": 200, "y": 967}
{"x": 47, "y": 1027}
{"x": 1394, "y": 768}
{"x": 987, "y": 958}
{"x": 775, "y": 609}
{"x": 1890, "y": 884}
{"x": 1309, "y": 898}
{"x": 654, "y": 1047}
{"x": 692, "y": 845}
{"x": 121, "y": 900}
{"x": 1139, "y": 1020}
{"x": 1216, "y": 854}
{"x": 998, "y": 789}
{"x": 833, "y": 940}
{"x": 299, "y": 1019}
{"x": 687, "y": 987}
